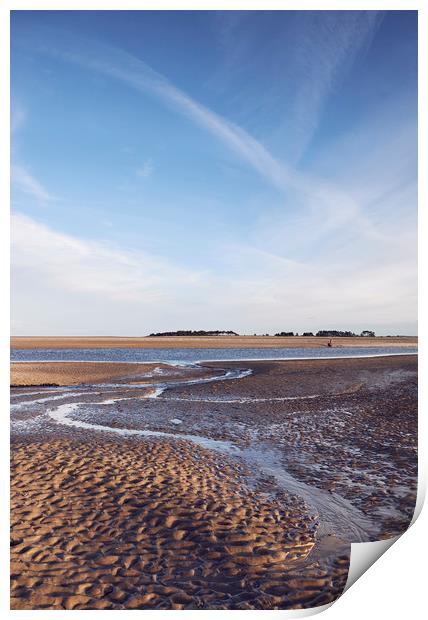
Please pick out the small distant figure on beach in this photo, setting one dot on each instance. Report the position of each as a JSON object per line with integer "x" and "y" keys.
{"x": 329, "y": 343}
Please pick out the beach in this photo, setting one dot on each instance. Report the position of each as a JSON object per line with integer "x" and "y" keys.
{"x": 74, "y": 373}
{"x": 215, "y": 342}
{"x": 222, "y": 485}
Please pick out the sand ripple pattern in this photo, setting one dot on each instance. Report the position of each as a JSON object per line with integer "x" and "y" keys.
{"x": 155, "y": 525}
{"x": 244, "y": 494}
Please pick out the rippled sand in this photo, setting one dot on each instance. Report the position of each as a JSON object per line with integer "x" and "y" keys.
{"x": 75, "y": 373}
{"x": 142, "y": 525}
{"x": 324, "y": 453}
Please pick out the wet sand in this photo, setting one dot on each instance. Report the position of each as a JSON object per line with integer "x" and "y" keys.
{"x": 307, "y": 457}
{"x": 355, "y": 436}
{"x": 131, "y": 525}
{"x": 214, "y": 342}
{"x": 77, "y": 373}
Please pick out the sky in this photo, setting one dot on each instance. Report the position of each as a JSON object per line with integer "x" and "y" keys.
{"x": 249, "y": 171}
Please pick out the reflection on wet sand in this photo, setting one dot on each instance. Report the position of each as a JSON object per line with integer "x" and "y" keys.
{"x": 222, "y": 486}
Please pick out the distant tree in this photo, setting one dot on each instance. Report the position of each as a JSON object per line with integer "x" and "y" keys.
{"x": 330, "y": 333}
{"x": 201, "y": 332}
{"x": 307, "y": 334}
{"x": 285, "y": 334}
{"x": 367, "y": 334}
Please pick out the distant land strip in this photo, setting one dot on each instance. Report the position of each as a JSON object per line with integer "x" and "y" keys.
{"x": 209, "y": 342}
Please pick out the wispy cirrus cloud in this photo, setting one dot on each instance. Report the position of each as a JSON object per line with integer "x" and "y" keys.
{"x": 146, "y": 169}
{"x": 312, "y": 207}
{"x": 137, "y": 74}
{"x": 312, "y": 51}
{"x": 26, "y": 182}
{"x": 18, "y": 116}
{"x": 328, "y": 44}
{"x": 302, "y": 191}
{"x": 20, "y": 176}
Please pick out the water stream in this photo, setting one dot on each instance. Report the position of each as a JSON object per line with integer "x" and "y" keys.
{"x": 337, "y": 516}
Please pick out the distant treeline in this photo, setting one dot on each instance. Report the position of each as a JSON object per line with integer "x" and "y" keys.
{"x": 338, "y": 334}
{"x": 330, "y": 333}
{"x": 323, "y": 333}
{"x": 201, "y": 332}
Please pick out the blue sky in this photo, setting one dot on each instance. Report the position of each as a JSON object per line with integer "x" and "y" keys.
{"x": 254, "y": 171}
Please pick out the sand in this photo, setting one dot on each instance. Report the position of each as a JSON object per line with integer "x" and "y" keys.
{"x": 143, "y": 525}
{"x": 214, "y": 342}
{"x": 357, "y": 438}
{"x": 76, "y": 373}
{"x": 105, "y": 522}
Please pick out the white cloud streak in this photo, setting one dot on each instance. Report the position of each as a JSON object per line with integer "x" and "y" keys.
{"x": 18, "y": 116}
{"x": 311, "y": 51}
{"x": 326, "y": 45}
{"x": 23, "y": 180}
{"x": 305, "y": 192}
{"x": 137, "y": 74}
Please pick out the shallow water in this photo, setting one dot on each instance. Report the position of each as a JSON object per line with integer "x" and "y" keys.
{"x": 193, "y": 356}
{"x": 337, "y": 515}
